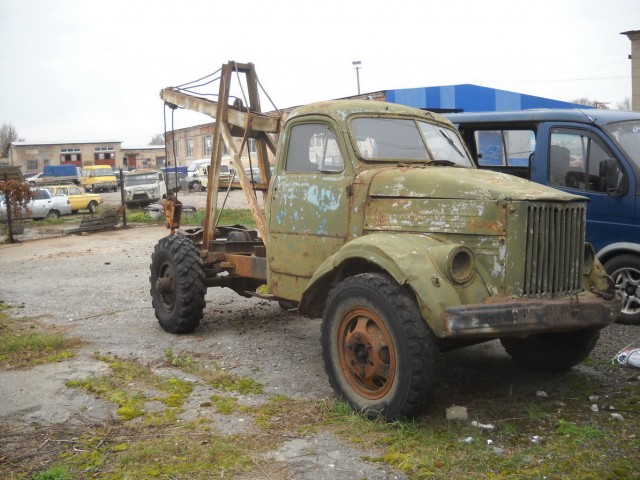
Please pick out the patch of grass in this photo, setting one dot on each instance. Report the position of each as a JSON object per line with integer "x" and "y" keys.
{"x": 52, "y": 221}
{"x": 212, "y": 375}
{"x": 131, "y": 386}
{"x": 284, "y": 414}
{"x": 57, "y": 472}
{"x": 534, "y": 444}
{"x": 228, "y": 217}
{"x": 225, "y": 405}
{"x": 578, "y": 433}
{"x": 24, "y": 343}
{"x": 188, "y": 451}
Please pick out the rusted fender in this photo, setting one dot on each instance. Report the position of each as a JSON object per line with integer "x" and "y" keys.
{"x": 417, "y": 260}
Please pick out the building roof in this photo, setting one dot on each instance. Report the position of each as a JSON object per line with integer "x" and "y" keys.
{"x": 101, "y": 142}
{"x": 471, "y": 98}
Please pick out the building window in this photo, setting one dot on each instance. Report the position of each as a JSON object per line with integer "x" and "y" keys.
{"x": 104, "y": 153}
{"x": 46, "y": 163}
{"x": 189, "y": 147}
{"x": 70, "y": 155}
{"x": 207, "y": 143}
{"x": 32, "y": 165}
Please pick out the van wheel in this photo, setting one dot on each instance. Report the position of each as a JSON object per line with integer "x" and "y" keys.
{"x": 53, "y": 214}
{"x": 551, "y": 352}
{"x": 378, "y": 352}
{"x": 625, "y": 272}
{"x": 177, "y": 284}
{"x": 93, "y": 206}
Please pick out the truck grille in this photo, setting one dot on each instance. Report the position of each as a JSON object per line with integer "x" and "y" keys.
{"x": 554, "y": 250}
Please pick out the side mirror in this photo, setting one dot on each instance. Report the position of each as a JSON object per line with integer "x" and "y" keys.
{"x": 612, "y": 179}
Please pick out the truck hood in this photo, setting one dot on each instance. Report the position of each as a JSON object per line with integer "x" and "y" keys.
{"x": 458, "y": 183}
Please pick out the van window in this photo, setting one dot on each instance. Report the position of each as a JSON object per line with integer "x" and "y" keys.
{"x": 574, "y": 160}
{"x": 506, "y": 148}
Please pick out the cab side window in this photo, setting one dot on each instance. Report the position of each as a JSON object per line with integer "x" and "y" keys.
{"x": 575, "y": 160}
{"x": 312, "y": 148}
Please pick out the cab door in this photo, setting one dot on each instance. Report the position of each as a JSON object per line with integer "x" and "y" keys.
{"x": 309, "y": 205}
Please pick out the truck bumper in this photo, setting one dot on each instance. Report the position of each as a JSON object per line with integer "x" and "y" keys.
{"x": 523, "y": 317}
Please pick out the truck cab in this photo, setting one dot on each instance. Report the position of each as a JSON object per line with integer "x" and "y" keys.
{"x": 592, "y": 153}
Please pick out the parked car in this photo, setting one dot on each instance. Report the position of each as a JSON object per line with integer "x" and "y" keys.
{"x": 43, "y": 205}
{"x": 79, "y": 200}
{"x": 34, "y": 179}
{"x": 182, "y": 182}
{"x": 98, "y": 177}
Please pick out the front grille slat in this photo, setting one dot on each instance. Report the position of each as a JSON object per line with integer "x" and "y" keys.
{"x": 554, "y": 250}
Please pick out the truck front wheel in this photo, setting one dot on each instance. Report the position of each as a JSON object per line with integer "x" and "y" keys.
{"x": 378, "y": 352}
{"x": 177, "y": 284}
{"x": 551, "y": 351}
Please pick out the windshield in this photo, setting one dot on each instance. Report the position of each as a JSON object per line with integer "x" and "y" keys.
{"x": 102, "y": 172}
{"x": 408, "y": 140}
{"x": 141, "y": 179}
{"x": 627, "y": 137}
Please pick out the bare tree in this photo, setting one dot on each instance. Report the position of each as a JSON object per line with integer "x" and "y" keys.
{"x": 590, "y": 103}
{"x": 625, "y": 104}
{"x": 8, "y": 134}
{"x": 157, "y": 139}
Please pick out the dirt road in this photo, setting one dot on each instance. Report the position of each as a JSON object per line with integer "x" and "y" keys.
{"x": 96, "y": 288}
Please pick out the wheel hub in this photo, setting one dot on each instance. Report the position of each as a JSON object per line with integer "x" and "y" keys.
{"x": 366, "y": 355}
{"x": 627, "y": 283}
{"x": 166, "y": 285}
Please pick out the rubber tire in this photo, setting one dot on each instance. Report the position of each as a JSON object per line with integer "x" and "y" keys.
{"x": 412, "y": 344}
{"x": 180, "y": 310}
{"x": 625, "y": 271}
{"x": 53, "y": 214}
{"x": 92, "y": 207}
{"x": 552, "y": 352}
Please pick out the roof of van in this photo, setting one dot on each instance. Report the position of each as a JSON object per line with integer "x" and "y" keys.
{"x": 599, "y": 117}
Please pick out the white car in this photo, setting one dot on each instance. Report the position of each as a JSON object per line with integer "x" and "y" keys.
{"x": 43, "y": 205}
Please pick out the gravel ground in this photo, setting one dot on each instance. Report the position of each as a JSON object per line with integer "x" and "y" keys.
{"x": 95, "y": 288}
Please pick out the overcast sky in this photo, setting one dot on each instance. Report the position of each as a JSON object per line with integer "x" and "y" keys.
{"x": 81, "y": 70}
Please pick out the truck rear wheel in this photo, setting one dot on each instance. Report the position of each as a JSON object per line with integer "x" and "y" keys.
{"x": 551, "y": 351}
{"x": 625, "y": 272}
{"x": 378, "y": 352}
{"x": 177, "y": 284}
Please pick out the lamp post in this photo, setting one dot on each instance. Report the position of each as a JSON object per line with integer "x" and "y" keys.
{"x": 356, "y": 65}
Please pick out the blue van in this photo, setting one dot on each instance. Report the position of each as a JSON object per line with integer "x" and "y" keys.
{"x": 594, "y": 153}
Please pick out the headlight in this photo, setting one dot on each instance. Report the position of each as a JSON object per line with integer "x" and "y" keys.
{"x": 152, "y": 191}
{"x": 589, "y": 259}
{"x": 455, "y": 262}
{"x": 128, "y": 193}
{"x": 461, "y": 265}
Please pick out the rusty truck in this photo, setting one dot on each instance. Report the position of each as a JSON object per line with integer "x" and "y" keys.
{"x": 376, "y": 219}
